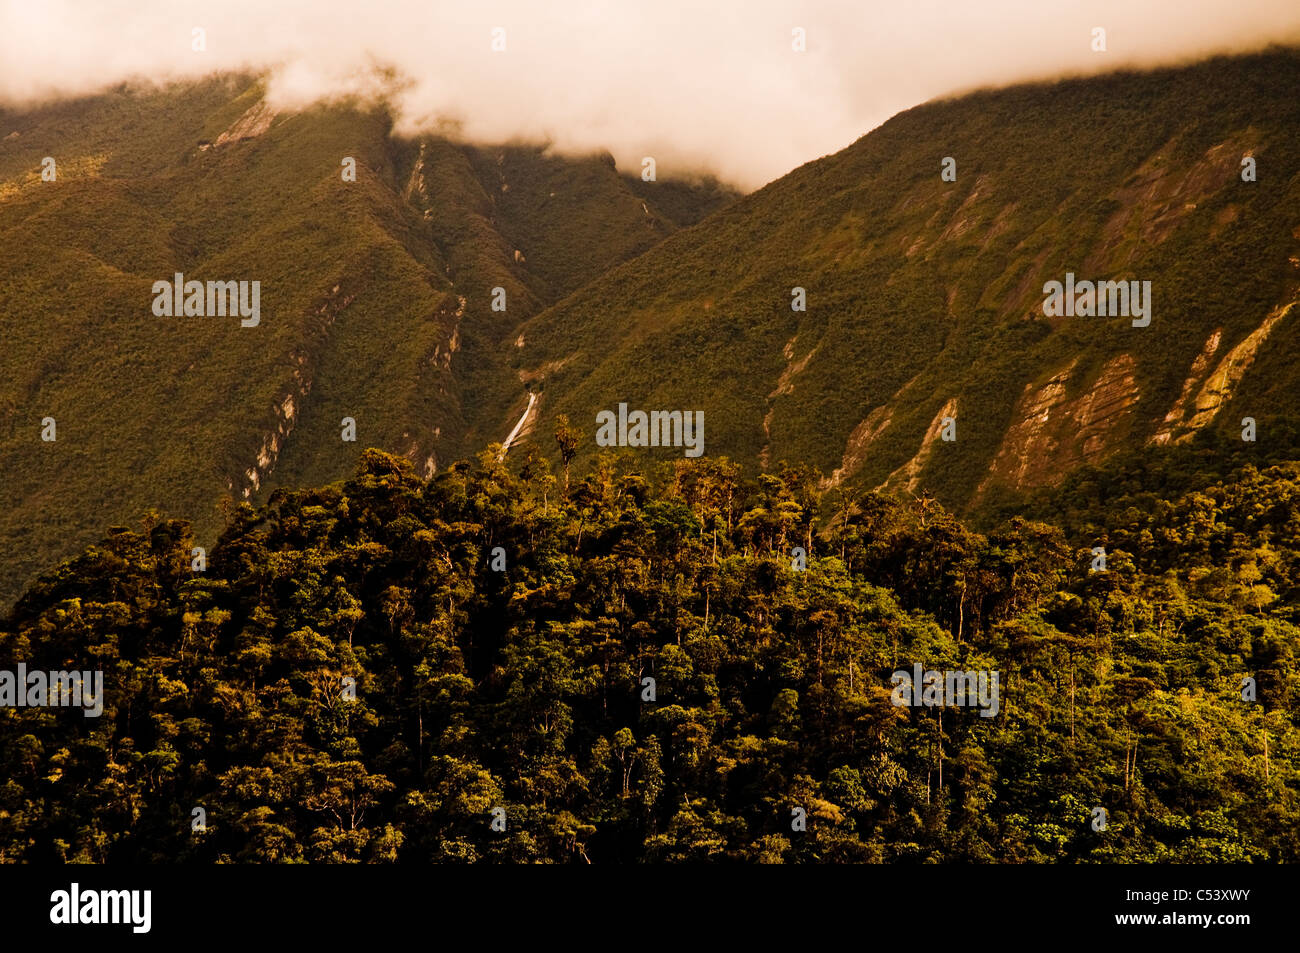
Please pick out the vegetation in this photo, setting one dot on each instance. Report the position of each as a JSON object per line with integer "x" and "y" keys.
{"x": 522, "y": 688}
{"x": 921, "y": 290}
{"x": 375, "y": 299}
{"x": 567, "y": 655}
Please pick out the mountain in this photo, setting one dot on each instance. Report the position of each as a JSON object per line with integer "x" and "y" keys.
{"x": 375, "y": 298}
{"x": 656, "y": 660}
{"x": 925, "y": 307}
{"x": 925, "y": 297}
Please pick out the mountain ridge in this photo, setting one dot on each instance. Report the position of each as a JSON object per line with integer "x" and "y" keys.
{"x": 921, "y": 292}
{"x": 376, "y": 298}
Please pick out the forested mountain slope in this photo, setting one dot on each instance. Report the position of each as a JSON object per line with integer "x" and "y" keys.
{"x": 925, "y": 297}
{"x": 375, "y": 298}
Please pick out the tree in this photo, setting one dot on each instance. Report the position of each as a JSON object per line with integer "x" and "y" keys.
{"x": 567, "y": 438}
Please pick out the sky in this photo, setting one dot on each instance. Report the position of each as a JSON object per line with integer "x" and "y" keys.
{"x": 710, "y": 86}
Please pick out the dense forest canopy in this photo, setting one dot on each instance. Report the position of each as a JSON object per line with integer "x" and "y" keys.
{"x": 395, "y": 669}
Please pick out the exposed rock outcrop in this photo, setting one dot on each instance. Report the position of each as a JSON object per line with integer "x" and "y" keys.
{"x": 1219, "y": 386}
{"x": 910, "y": 472}
{"x": 289, "y": 404}
{"x": 784, "y": 385}
{"x": 1051, "y": 432}
{"x": 255, "y": 121}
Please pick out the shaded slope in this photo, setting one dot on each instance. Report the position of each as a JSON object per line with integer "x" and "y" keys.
{"x": 375, "y": 301}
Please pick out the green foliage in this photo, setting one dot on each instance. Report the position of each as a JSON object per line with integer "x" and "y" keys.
{"x": 920, "y": 290}
{"x": 523, "y": 689}
{"x": 375, "y": 300}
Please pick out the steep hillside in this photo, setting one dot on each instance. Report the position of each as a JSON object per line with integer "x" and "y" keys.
{"x": 925, "y": 297}
{"x": 375, "y": 298}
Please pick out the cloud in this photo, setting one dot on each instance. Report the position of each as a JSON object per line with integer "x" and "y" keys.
{"x": 713, "y": 87}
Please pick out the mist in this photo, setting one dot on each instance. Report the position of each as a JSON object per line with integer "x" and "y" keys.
{"x": 718, "y": 90}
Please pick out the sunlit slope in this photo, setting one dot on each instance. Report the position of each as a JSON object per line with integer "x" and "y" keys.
{"x": 925, "y": 296}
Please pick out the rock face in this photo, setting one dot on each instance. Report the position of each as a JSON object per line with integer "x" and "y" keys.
{"x": 784, "y": 385}
{"x": 1175, "y": 418}
{"x": 909, "y": 474}
{"x": 860, "y": 440}
{"x": 1161, "y": 195}
{"x": 298, "y": 389}
{"x": 250, "y": 125}
{"x": 1052, "y": 431}
{"x": 1218, "y": 388}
